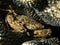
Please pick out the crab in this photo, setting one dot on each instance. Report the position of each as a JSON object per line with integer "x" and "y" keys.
{"x": 18, "y": 23}
{"x": 21, "y": 21}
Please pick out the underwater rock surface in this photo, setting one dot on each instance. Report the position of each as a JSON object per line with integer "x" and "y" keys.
{"x": 42, "y": 41}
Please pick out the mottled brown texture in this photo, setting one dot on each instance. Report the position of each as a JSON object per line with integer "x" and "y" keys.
{"x": 20, "y": 21}
{"x": 42, "y": 33}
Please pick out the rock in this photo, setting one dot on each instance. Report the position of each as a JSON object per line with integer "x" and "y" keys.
{"x": 51, "y": 14}
{"x": 43, "y": 41}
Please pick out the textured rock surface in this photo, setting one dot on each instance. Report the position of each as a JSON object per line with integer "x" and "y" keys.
{"x": 51, "y": 14}
{"x": 43, "y": 41}
{"x": 31, "y": 3}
